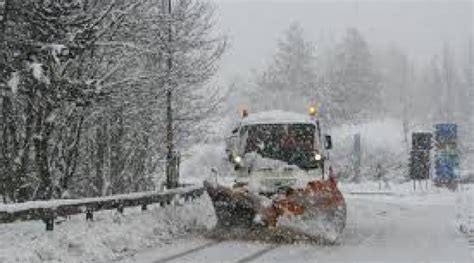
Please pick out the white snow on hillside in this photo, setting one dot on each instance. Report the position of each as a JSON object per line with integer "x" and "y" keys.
{"x": 386, "y": 134}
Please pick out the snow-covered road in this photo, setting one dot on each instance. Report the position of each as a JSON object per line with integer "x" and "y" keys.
{"x": 380, "y": 229}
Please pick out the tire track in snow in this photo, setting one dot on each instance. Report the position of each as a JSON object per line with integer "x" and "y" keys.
{"x": 258, "y": 254}
{"x": 250, "y": 258}
{"x": 189, "y": 251}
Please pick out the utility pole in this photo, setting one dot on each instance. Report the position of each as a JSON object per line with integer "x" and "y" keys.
{"x": 171, "y": 160}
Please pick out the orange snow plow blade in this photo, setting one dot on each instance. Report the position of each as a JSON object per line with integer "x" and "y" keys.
{"x": 317, "y": 210}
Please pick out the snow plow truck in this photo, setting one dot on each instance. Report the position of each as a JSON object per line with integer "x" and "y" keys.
{"x": 280, "y": 189}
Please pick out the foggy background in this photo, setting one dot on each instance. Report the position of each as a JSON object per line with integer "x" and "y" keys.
{"x": 420, "y": 28}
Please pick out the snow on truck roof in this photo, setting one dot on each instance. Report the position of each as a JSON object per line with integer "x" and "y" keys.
{"x": 276, "y": 117}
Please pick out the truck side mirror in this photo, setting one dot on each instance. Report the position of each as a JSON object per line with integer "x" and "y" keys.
{"x": 327, "y": 142}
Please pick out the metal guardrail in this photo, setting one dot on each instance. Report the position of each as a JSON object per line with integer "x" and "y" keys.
{"x": 47, "y": 211}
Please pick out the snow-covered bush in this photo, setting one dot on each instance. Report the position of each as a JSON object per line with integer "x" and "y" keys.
{"x": 382, "y": 143}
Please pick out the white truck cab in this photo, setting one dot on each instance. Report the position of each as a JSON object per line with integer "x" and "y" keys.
{"x": 272, "y": 151}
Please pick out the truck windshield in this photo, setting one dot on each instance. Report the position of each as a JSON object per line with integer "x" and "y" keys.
{"x": 292, "y": 143}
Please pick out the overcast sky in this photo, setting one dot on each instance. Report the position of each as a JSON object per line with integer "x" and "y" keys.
{"x": 419, "y": 27}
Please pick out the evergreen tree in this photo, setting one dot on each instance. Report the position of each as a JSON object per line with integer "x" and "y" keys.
{"x": 290, "y": 82}
{"x": 354, "y": 83}
{"x": 397, "y": 85}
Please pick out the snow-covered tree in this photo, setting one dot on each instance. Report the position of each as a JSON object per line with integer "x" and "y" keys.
{"x": 397, "y": 83}
{"x": 53, "y": 40}
{"x": 126, "y": 142}
{"x": 82, "y": 91}
{"x": 290, "y": 82}
{"x": 353, "y": 82}
{"x": 442, "y": 88}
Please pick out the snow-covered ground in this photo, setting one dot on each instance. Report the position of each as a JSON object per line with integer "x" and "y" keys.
{"x": 407, "y": 226}
{"x": 465, "y": 210}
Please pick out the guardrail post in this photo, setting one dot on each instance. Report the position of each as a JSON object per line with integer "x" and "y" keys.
{"x": 49, "y": 224}
{"x": 89, "y": 215}
{"x": 120, "y": 208}
{"x": 49, "y": 220}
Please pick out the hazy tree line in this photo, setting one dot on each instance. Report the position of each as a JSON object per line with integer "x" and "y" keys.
{"x": 342, "y": 79}
{"x": 439, "y": 89}
{"x": 82, "y": 92}
{"x": 354, "y": 81}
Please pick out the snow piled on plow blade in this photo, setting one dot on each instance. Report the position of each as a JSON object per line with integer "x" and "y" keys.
{"x": 245, "y": 216}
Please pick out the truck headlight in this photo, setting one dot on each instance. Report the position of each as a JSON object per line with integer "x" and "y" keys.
{"x": 237, "y": 159}
{"x": 318, "y": 157}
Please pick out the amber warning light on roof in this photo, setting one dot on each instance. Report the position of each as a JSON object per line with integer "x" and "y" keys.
{"x": 313, "y": 111}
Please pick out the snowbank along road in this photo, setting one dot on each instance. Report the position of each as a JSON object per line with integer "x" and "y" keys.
{"x": 415, "y": 228}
